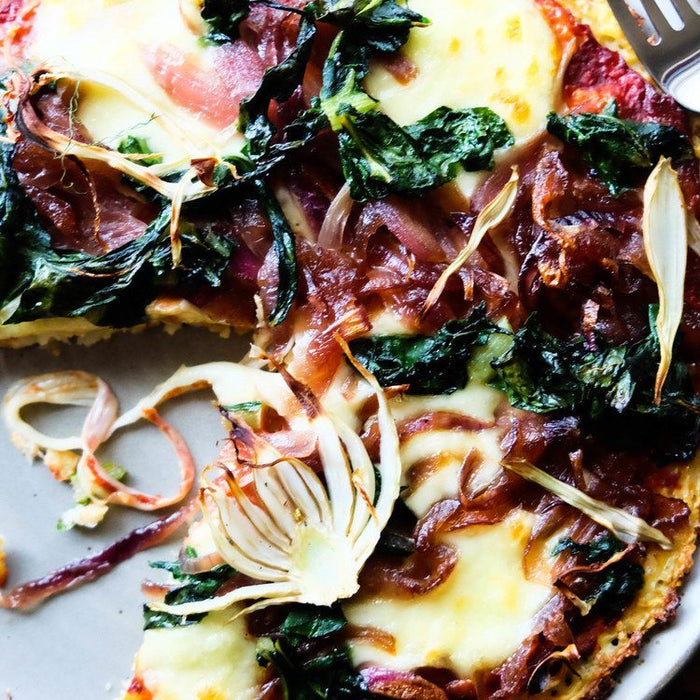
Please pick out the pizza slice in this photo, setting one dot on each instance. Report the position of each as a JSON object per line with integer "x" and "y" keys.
{"x": 482, "y": 208}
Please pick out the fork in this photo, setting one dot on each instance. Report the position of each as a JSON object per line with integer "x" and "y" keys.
{"x": 671, "y": 53}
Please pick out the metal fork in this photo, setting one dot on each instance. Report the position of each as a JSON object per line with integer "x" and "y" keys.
{"x": 670, "y": 53}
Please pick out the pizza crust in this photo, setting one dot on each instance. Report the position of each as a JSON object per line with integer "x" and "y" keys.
{"x": 657, "y": 602}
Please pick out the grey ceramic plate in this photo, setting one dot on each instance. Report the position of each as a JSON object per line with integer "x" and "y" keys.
{"x": 80, "y": 646}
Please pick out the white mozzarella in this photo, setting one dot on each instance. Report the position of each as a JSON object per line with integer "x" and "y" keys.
{"x": 474, "y": 620}
{"x": 106, "y": 41}
{"x": 212, "y": 660}
{"x": 501, "y": 55}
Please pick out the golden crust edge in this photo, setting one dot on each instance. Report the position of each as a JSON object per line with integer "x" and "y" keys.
{"x": 167, "y": 313}
{"x": 665, "y": 573}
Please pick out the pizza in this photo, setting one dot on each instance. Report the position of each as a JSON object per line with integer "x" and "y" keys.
{"x": 459, "y": 460}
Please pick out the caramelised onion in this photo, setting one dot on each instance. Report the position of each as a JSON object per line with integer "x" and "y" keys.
{"x": 305, "y": 540}
{"x": 396, "y": 216}
{"x": 665, "y": 227}
{"x": 625, "y": 526}
{"x": 91, "y": 480}
{"x": 82, "y": 571}
{"x": 401, "y": 684}
{"x": 491, "y": 216}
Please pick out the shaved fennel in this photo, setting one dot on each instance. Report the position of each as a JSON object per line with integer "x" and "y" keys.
{"x": 491, "y": 216}
{"x": 305, "y": 540}
{"x": 625, "y": 526}
{"x": 665, "y": 226}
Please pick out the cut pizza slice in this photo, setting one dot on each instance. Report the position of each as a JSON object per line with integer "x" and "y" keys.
{"x": 481, "y": 585}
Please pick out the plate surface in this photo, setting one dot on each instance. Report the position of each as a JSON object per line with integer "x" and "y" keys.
{"x": 80, "y": 646}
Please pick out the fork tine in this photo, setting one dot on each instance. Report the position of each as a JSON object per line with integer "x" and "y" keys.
{"x": 689, "y": 16}
{"x": 656, "y": 17}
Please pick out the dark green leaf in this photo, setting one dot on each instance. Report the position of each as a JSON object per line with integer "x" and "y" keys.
{"x": 283, "y": 243}
{"x": 467, "y": 136}
{"x": 617, "y": 584}
{"x": 307, "y": 622}
{"x": 51, "y": 283}
{"x": 195, "y": 587}
{"x": 139, "y": 146}
{"x": 224, "y": 17}
{"x": 610, "y": 388}
{"x": 309, "y": 658}
{"x": 429, "y": 364}
{"x": 380, "y": 158}
{"x": 619, "y": 150}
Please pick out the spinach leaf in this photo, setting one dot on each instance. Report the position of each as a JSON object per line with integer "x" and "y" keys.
{"x": 611, "y": 388}
{"x": 620, "y": 150}
{"x": 283, "y": 243}
{"x": 194, "y": 587}
{"x": 223, "y": 18}
{"x": 616, "y": 585}
{"x": 429, "y": 364}
{"x": 309, "y": 658}
{"x": 380, "y": 158}
{"x": 37, "y": 281}
{"x": 137, "y": 145}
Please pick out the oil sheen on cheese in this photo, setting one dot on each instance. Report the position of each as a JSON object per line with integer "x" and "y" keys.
{"x": 501, "y": 55}
{"x": 106, "y": 42}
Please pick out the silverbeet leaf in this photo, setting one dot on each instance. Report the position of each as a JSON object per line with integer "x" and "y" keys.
{"x": 611, "y": 388}
{"x": 283, "y": 243}
{"x": 311, "y": 659}
{"x": 620, "y": 151}
{"x": 111, "y": 289}
{"x": 429, "y": 364}
{"x": 192, "y": 588}
{"x": 616, "y": 586}
{"x": 380, "y": 158}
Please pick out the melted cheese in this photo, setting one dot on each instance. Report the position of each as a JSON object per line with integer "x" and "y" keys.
{"x": 106, "y": 42}
{"x": 500, "y": 54}
{"x": 474, "y": 620}
{"x": 449, "y": 448}
{"x": 212, "y": 660}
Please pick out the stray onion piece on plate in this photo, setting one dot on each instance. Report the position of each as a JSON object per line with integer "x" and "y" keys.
{"x": 665, "y": 227}
{"x": 93, "y": 483}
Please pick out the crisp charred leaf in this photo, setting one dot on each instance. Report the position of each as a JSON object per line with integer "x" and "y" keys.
{"x": 619, "y": 151}
{"x": 194, "y": 587}
{"x": 429, "y": 364}
{"x": 616, "y": 585}
{"x": 111, "y": 289}
{"x": 611, "y": 388}
{"x": 310, "y": 659}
